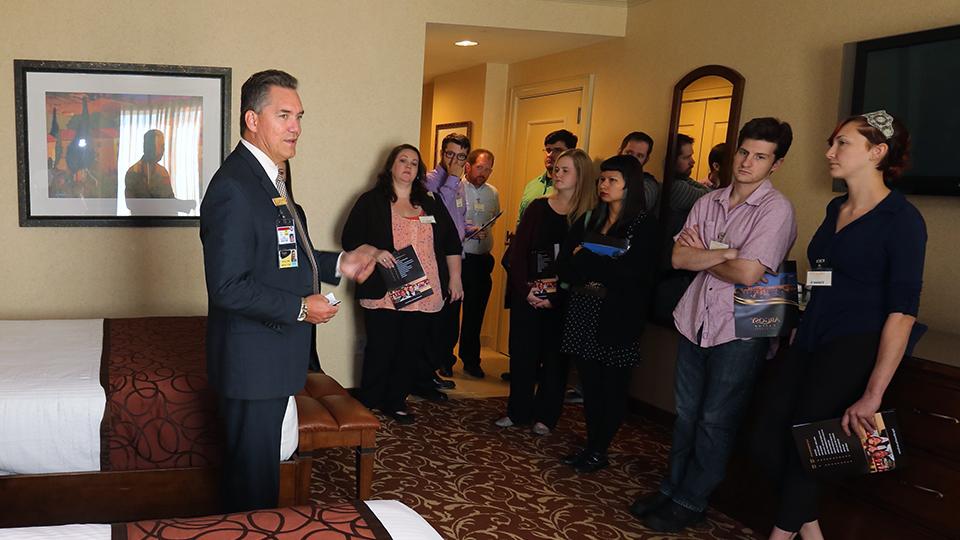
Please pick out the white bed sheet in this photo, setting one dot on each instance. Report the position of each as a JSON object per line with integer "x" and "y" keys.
{"x": 397, "y": 518}
{"x": 402, "y": 522}
{"x": 51, "y": 401}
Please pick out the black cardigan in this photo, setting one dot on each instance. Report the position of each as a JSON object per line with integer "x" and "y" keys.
{"x": 371, "y": 222}
{"x": 628, "y": 278}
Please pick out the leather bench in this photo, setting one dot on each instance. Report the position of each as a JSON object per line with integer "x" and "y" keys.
{"x": 330, "y": 418}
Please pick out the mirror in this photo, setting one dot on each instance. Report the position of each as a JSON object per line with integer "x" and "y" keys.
{"x": 704, "y": 120}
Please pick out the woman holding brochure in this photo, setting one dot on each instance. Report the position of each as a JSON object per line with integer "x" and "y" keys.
{"x": 399, "y": 214}
{"x": 608, "y": 262}
{"x": 532, "y": 279}
{"x": 866, "y": 268}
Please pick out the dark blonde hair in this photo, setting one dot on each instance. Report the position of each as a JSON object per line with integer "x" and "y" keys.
{"x": 585, "y": 195}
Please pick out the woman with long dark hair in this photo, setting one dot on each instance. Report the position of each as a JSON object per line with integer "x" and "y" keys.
{"x": 399, "y": 212}
{"x": 608, "y": 262}
{"x": 859, "y": 323}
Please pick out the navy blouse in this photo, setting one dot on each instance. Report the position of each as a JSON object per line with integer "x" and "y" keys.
{"x": 877, "y": 263}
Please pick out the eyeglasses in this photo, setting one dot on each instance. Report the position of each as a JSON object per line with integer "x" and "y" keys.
{"x": 450, "y": 154}
{"x": 553, "y": 150}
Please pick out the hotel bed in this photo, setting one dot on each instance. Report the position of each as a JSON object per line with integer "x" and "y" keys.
{"x": 370, "y": 520}
{"x": 57, "y": 378}
{"x": 106, "y": 418}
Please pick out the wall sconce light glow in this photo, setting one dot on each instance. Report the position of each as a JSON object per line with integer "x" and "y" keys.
{"x": 466, "y": 43}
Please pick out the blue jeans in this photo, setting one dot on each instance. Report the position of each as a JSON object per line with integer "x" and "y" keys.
{"x": 713, "y": 386}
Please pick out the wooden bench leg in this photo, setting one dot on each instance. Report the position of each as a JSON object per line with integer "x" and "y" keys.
{"x": 365, "y": 462}
{"x": 304, "y": 477}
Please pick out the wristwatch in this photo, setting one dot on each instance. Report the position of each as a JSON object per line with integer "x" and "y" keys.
{"x": 303, "y": 310}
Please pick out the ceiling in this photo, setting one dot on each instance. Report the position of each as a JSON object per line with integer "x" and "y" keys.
{"x": 496, "y": 45}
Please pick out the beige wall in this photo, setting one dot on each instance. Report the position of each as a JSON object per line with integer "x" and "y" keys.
{"x": 457, "y": 97}
{"x": 360, "y": 65}
{"x": 790, "y": 55}
{"x": 479, "y": 95}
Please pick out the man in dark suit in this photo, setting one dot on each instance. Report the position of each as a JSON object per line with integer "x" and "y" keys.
{"x": 262, "y": 277}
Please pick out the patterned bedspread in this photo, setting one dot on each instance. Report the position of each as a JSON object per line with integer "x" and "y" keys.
{"x": 160, "y": 411}
{"x": 351, "y": 521}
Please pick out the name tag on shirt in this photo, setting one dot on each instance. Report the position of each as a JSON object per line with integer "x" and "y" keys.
{"x": 428, "y": 220}
{"x": 459, "y": 202}
{"x": 479, "y": 207}
{"x": 715, "y": 244}
{"x": 819, "y": 278}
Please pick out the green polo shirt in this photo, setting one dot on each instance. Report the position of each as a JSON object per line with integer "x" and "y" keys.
{"x": 541, "y": 186}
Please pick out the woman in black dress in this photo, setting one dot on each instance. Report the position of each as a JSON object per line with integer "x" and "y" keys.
{"x": 609, "y": 297}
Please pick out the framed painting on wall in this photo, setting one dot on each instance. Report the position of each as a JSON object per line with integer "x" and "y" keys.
{"x": 463, "y": 128}
{"x": 102, "y": 144}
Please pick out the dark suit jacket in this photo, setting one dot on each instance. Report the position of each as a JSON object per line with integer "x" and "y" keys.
{"x": 256, "y": 349}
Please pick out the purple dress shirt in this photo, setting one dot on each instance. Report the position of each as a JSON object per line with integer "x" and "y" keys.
{"x": 450, "y": 189}
{"x": 762, "y": 228}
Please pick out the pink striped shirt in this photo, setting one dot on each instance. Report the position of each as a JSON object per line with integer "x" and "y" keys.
{"x": 762, "y": 228}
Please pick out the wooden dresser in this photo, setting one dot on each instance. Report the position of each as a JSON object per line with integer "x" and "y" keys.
{"x": 920, "y": 500}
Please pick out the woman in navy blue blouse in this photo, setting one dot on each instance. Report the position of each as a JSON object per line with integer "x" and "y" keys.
{"x": 855, "y": 330}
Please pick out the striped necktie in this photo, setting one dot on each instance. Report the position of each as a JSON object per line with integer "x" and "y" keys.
{"x": 301, "y": 230}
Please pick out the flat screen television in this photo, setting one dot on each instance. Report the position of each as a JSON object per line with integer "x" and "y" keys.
{"x": 916, "y": 77}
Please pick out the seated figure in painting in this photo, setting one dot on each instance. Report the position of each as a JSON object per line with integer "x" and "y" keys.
{"x": 147, "y": 179}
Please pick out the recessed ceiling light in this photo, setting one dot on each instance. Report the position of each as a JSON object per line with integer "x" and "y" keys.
{"x": 466, "y": 43}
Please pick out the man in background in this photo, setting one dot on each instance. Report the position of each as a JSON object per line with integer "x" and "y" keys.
{"x": 445, "y": 180}
{"x": 483, "y": 205}
{"x": 639, "y": 145}
{"x": 554, "y": 144}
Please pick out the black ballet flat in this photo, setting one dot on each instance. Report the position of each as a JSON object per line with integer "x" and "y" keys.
{"x": 593, "y": 463}
{"x": 402, "y": 417}
{"x": 575, "y": 459}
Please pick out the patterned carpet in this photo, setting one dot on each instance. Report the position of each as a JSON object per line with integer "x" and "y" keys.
{"x": 474, "y": 481}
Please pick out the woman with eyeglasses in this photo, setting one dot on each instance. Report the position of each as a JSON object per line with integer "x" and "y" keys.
{"x": 399, "y": 213}
{"x": 608, "y": 261}
{"x": 868, "y": 256}
{"x": 535, "y": 299}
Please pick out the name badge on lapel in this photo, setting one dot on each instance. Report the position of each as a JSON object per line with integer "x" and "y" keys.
{"x": 286, "y": 243}
{"x": 429, "y": 220}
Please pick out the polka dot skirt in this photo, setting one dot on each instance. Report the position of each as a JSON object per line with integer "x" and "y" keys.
{"x": 580, "y": 326}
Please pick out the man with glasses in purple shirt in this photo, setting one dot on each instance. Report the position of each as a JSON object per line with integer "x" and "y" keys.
{"x": 733, "y": 235}
{"x": 445, "y": 181}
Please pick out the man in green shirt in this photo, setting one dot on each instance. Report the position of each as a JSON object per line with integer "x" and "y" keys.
{"x": 553, "y": 145}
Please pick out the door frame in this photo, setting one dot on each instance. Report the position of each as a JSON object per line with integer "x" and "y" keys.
{"x": 583, "y": 83}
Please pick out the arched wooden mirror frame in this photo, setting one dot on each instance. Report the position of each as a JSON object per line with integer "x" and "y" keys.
{"x": 733, "y": 124}
{"x": 664, "y": 293}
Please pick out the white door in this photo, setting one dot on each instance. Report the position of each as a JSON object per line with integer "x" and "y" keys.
{"x": 535, "y": 117}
